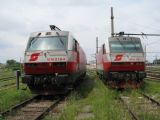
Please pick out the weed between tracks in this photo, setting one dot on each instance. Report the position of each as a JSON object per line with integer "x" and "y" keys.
{"x": 139, "y": 105}
{"x": 92, "y": 100}
{"x": 151, "y": 87}
{"x": 142, "y": 107}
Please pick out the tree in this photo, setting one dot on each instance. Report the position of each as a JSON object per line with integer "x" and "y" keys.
{"x": 12, "y": 64}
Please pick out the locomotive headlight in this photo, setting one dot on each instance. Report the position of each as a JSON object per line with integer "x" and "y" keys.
{"x": 50, "y": 64}
{"x": 132, "y": 63}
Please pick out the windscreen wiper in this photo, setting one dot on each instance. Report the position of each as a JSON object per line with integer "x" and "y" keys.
{"x": 122, "y": 44}
{"x": 34, "y": 39}
{"x": 60, "y": 38}
{"x": 134, "y": 45}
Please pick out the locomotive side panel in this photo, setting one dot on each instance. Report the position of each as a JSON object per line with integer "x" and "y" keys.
{"x": 103, "y": 62}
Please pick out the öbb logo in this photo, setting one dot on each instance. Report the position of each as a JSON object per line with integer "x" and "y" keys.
{"x": 34, "y": 56}
{"x": 118, "y": 57}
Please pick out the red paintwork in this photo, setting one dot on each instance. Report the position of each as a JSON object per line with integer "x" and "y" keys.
{"x": 78, "y": 63}
{"x": 104, "y": 64}
{"x": 43, "y": 68}
{"x": 127, "y": 67}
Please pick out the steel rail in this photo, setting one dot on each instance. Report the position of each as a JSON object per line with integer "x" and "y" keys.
{"x": 36, "y": 111}
{"x": 7, "y": 78}
{"x": 149, "y": 98}
{"x": 39, "y": 117}
{"x": 133, "y": 115}
{"x": 18, "y": 105}
{"x": 151, "y": 78}
{"x": 6, "y": 85}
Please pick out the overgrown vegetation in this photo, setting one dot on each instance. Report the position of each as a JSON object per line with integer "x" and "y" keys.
{"x": 102, "y": 102}
{"x": 6, "y": 73}
{"x": 10, "y": 97}
{"x": 151, "y": 87}
{"x": 142, "y": 107}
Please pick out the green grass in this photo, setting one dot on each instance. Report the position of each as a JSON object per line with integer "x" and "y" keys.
{"x": 8, "y": 82}
{"x": 151, "y": 87}
{"x": 103, "y": 102}
{"x": 10, "y": 97}
{"x": 6, "y": 73}
{"x": 141, "y": 106}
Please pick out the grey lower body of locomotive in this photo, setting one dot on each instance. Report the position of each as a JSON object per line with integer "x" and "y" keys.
{"x": 52, "y": 84}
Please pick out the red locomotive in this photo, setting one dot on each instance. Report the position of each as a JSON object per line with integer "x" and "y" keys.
{"x": 53, "y": 62}
{"x": 120, "y": 62}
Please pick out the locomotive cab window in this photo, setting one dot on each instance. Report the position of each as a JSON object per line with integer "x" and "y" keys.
{"x": 47, "y": 43}
{"x": 126, "y": 46}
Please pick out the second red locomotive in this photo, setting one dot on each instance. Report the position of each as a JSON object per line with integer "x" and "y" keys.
{"x": 53, "y": 62}
{"x": 121, "y": 62}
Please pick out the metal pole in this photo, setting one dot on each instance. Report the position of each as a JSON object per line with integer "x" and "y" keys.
{"x": 112, "y": 22}
{"x": 17, "y": 78}
{"x": 145, "y": 53}
{"x": 96, "y": 44}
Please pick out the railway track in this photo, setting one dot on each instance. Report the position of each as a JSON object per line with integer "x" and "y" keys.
{"x": 8, "y": 87}
{"x": 153, "y": 76}
{"x": 131, "y": 112}
{"x": 150, "y": 98}
{"x": 33, "y": 109}
{"x": 144, "y": 107}
{"x": 7, "y": 82}
{"x": 7, "y": 78}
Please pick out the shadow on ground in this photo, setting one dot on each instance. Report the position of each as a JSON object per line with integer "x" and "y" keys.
{"x": 85, "y": 87}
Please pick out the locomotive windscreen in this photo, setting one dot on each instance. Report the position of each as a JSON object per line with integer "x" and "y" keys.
{"x": 47, "y": 43}
{"x": 126, "y": 46}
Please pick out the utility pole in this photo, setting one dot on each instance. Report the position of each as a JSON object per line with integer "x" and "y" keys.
{"x": 156, "y": 59}
{"x": 145, "y": 54}
{"x": 112, "y": 22}
{"x": 96, "y": 44}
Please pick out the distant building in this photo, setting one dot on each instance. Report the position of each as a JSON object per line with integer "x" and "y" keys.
{"x": 157, "y": 61}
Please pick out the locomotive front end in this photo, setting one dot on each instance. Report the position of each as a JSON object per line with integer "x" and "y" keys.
{"x": 127, "y": 61}
{"x": 47, "y": 62}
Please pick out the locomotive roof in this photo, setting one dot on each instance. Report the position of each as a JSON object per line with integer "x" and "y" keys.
{"x": 49, "y": 33}
{"x": 123, "y": 38}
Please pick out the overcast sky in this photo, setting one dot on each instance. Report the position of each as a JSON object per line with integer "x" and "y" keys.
{"x": 86, "y": 19}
